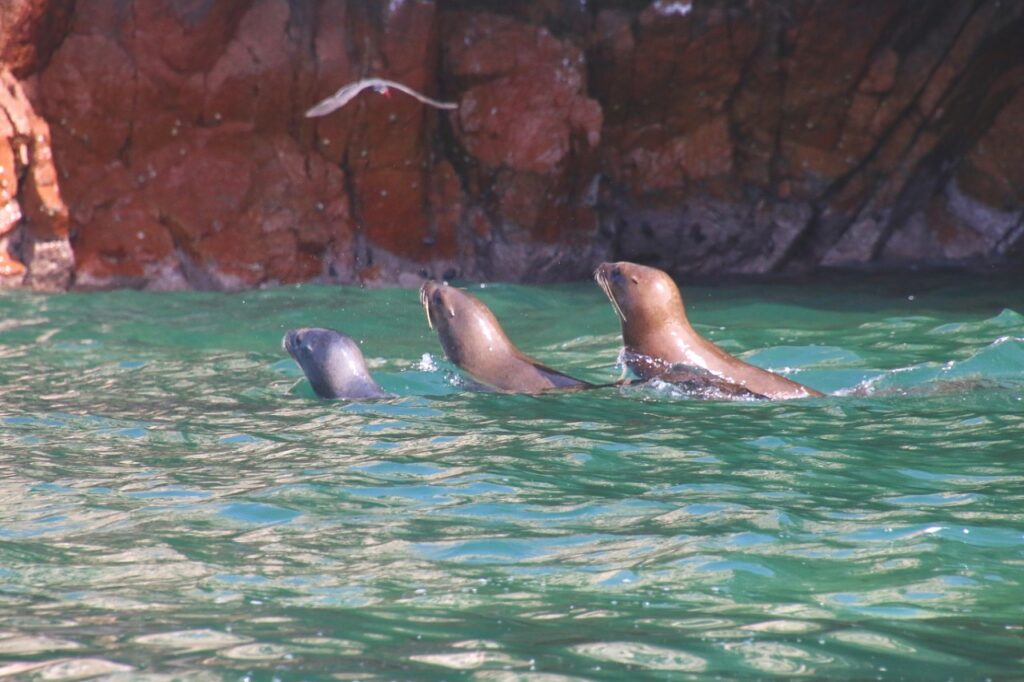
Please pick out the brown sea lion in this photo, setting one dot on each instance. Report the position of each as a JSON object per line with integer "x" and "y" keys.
{"x": 660, "y": 343}
{"x": 472, "y": 339}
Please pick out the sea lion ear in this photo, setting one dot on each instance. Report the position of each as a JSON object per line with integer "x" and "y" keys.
{"x": 635, "y": 280}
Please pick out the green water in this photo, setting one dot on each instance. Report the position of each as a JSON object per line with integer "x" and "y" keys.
{"x": 174, "y": 502}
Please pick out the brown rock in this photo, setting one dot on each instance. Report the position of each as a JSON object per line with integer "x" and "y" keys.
{"x": 447, "y": 199}
{"x": 128, "y": 246}
{"x": 881, "y": 75}
{"x": 30, "y": 30}
{"x": 276, "y": 216}
{"x": 699, "y": 155}
{"x": 392, "y": 203}
{"x": 334, "y": 68}
{"x": 234, "y": 202}
{"x": 253, "y": 80}
{"x": 701, "y": 136}
{"x": 88, "y": 91}
{"x": 993, "y": 173}
{"x": 524, "y": 116}
{"x": 381, "y": 138}
{"x": 29, "y": 194}
{"x": 528, "y": 128}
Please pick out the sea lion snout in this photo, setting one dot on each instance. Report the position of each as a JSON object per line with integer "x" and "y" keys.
{"x": 610, "y": 278}
{"x": 428, "y": 288}
{"x": 618, "y": 273}
{"x": 429, "y": 296}
{"x": 291, "y": 340}
{"x": 438, "y": 300}
{"x": 303, "y": 340}
{"x": 307, "y": 343}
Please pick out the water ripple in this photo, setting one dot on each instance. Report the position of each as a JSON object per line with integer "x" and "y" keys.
{"x": 174, "y": 500}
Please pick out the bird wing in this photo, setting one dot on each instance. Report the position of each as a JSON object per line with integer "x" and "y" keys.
{"x": 348, "y": 92}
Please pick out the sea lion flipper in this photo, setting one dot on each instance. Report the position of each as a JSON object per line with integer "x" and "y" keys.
{"x": 472, "y": 385}
{"x": 559, "y": 379}
{"x": 702, "y": 381}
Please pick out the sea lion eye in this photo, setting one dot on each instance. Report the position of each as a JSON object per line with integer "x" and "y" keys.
{"x": 616, "y": 273}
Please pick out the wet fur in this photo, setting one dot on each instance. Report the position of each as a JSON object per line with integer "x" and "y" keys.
{"x": 473, "y": 340}
{"x": 660, "y": 342}
{"x": 333, "y": 364}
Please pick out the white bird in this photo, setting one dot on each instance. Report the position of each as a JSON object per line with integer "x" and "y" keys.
{"x": 348, "y": 92}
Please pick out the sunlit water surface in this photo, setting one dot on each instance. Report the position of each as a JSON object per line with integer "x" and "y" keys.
{"x": 175, "y": 502}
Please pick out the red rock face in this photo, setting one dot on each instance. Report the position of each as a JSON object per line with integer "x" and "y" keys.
{"x": 29, "y": 32}
{"x": 188, "y": 162}
{"x": 710, "y": 137}
{"x": 29, "y": 197}
{"x": 528, "y": 133}
{"x": 529, "y": 99}
{"x": 789, "y": 135}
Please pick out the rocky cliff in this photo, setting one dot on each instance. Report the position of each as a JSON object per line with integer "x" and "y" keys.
{"x": 163, "y": 144}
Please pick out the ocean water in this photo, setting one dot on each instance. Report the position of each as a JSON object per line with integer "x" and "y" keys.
{"x": 175, "y": 503}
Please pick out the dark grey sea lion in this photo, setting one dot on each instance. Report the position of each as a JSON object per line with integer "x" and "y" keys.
{"x": 333, "y": 364}
{"x": 472, "y": 339}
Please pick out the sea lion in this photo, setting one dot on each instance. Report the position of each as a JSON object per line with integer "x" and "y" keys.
{"x": 472, "y": 339}
{"x": 333, "y": 363}
{"x": 660, "y": 343}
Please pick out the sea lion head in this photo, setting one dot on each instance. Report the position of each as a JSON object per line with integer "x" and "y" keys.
{"x": 643, "y": 297}
{"x": 469, "y": 333}
{"x": 332, "y": 362}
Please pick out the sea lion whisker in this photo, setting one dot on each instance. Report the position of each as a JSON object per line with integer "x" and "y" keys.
{"x": 426, "y": 307}
{"x": 602, "y": 282}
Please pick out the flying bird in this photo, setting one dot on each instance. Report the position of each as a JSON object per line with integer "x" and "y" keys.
{"x": 348, "y": 92}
